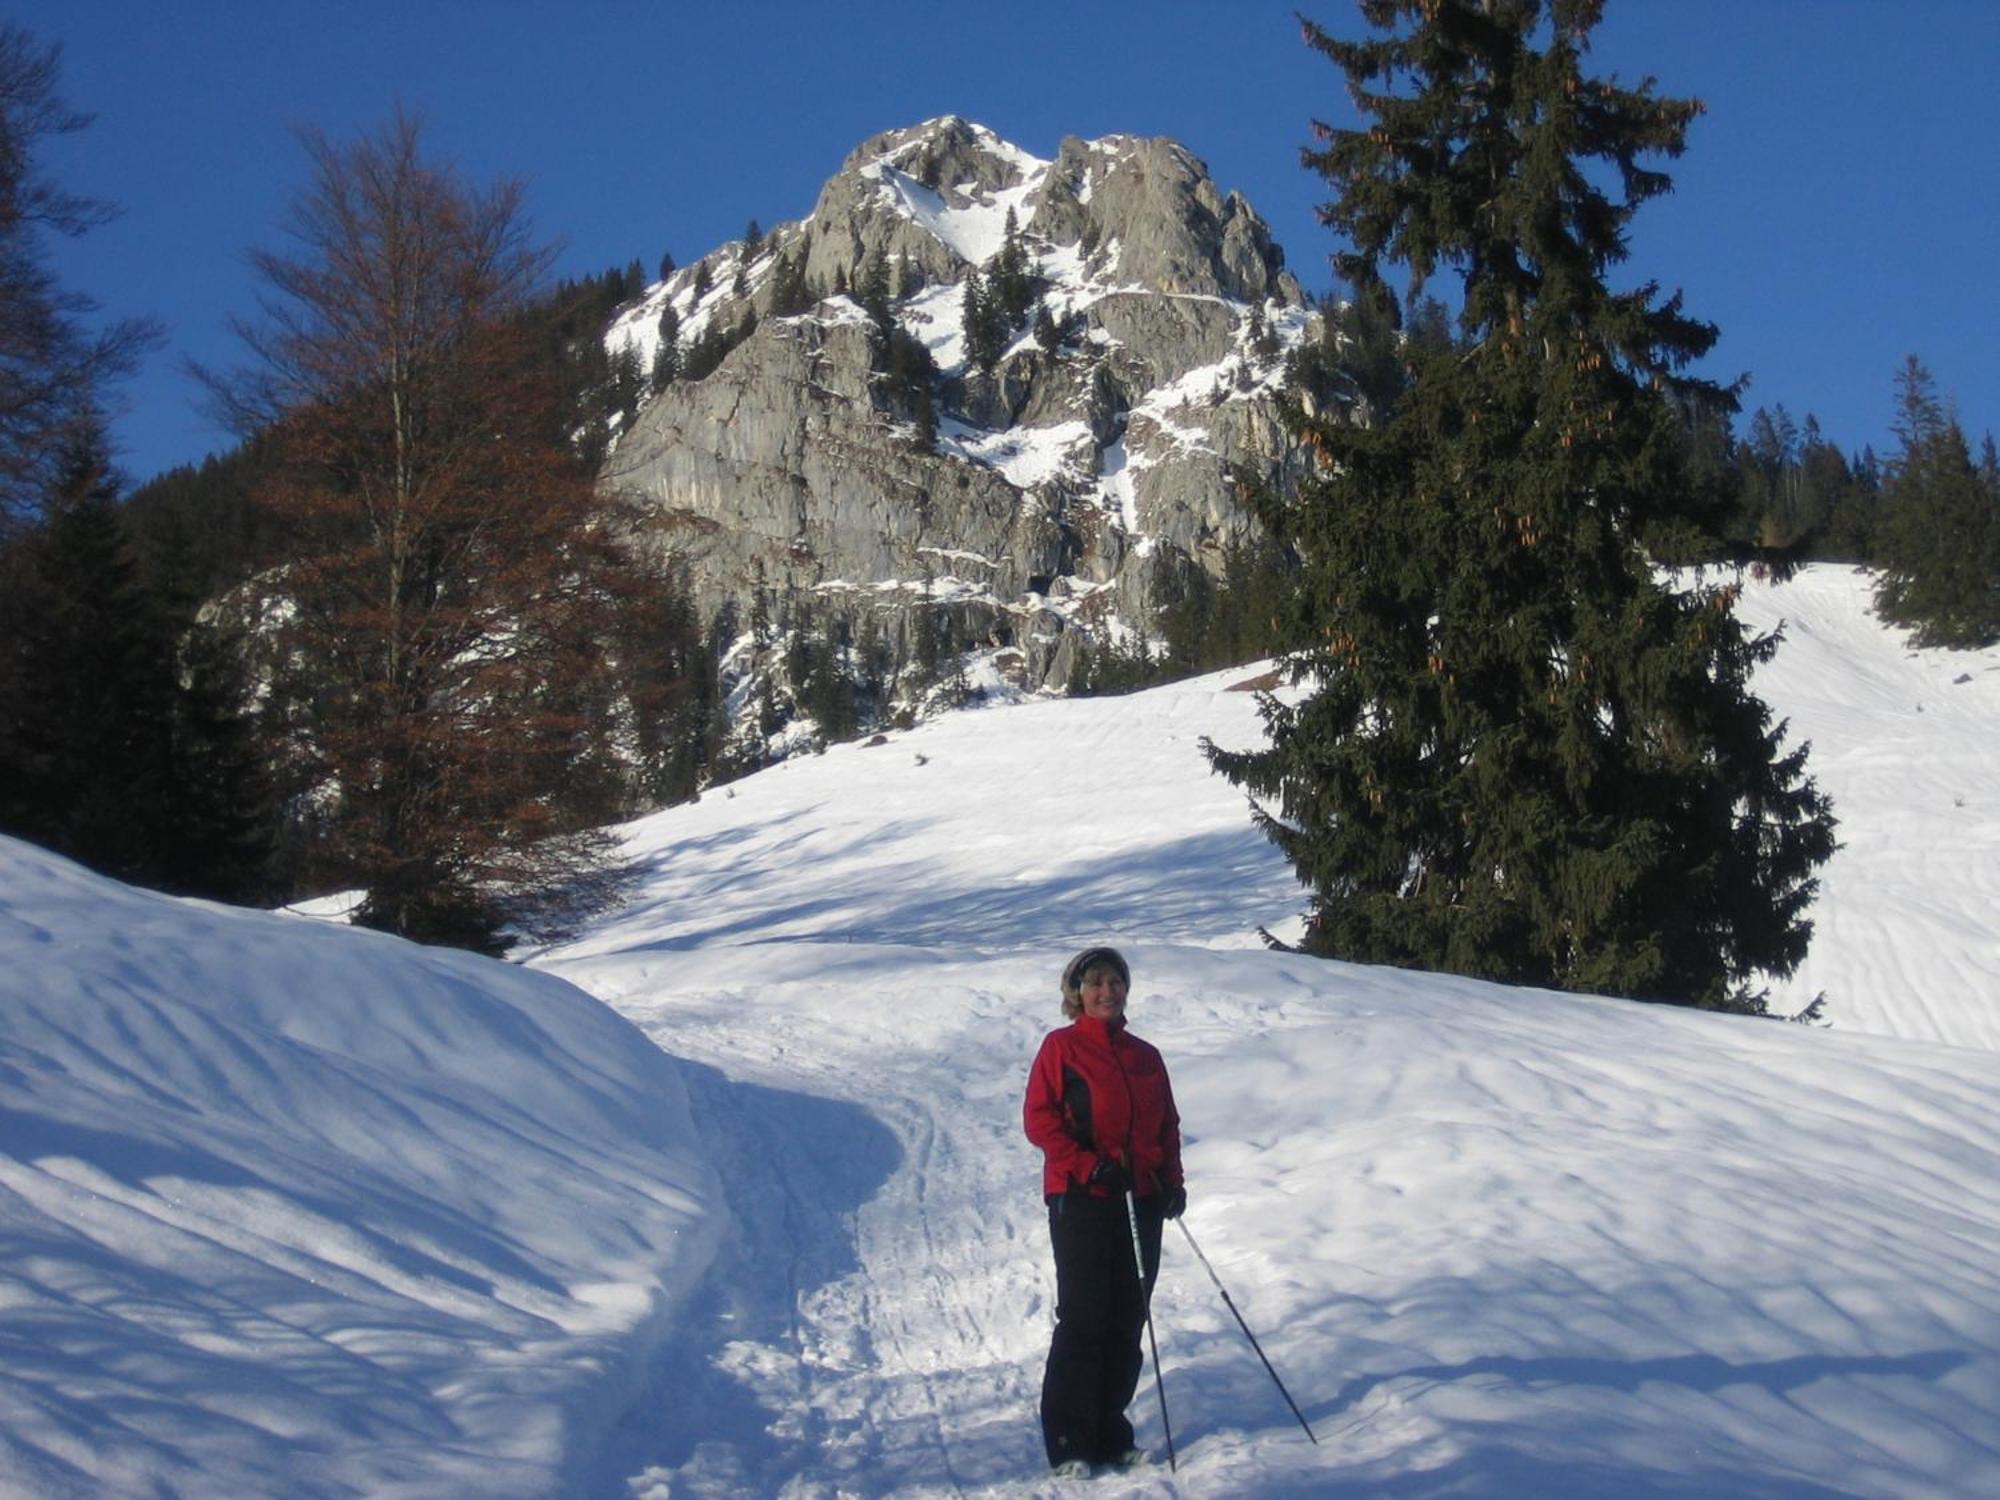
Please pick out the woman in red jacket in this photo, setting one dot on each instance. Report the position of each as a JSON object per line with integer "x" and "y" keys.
{"x": 1101, "y": 1109}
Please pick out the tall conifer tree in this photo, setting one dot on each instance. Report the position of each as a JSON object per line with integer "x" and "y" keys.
{"x": 1523, "y": 754}
{"x": 667, "y": 352}
{"x": 85, "y": 749}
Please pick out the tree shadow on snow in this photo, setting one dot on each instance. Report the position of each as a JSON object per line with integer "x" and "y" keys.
{"x": 1493, "y": 1471}
{"x": 1535, "y": 1457}
{"x": 1706, "y": 1373}
{"x": 849, "y": 894}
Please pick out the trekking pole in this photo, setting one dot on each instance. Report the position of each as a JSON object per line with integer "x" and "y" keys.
{"x": 1242, "y": 1325}
{"x": 1159, "y": 1383}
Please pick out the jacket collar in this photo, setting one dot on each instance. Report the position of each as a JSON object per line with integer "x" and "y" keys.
{"x": 1102, "y": 1031}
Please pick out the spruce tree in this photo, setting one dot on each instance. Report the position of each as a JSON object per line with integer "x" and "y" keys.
{"x": 791, "y": 294}
{"x": 629, "y": 381}
{"x": 1823, "y": 479}
{"x": 667, "y": 353}
{"x": 1519, "y": 752}
{"x": 871, "y": 290}
{"x": 85, "y": 752}
{"x": 221, "y": 821}
{"x": 1940, "y": 548}
{"x": 125, "y": 741}
{"x": 910, "y": 370}
{"x": 973, "y": 305}
{"x": 704, "y": 352}
{"x": 1009, "y": 282}
{"x": 984, "y": 319}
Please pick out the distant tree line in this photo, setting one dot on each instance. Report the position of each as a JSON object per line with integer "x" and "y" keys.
{"x": 1926, "y": 518}
{"x": 1782, "y": 492}
{"x": 1205, "y": 622}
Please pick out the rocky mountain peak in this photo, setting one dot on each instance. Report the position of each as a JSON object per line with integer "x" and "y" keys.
{"x": 933, "y": 197}
{"x": 1043, "y": 477}
{"x": 1172, "y": 230}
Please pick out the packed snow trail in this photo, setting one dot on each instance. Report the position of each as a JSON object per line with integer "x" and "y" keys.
{"x": 796, "y": 947}
{"x": 1499, "y": 1242}
{"x": 861, "y": 1333}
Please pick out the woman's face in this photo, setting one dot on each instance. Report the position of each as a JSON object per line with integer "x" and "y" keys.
{"x": 1103, "y": 994}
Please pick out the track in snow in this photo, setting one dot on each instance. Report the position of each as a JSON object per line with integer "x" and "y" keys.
{"x": 876, "y": 1319}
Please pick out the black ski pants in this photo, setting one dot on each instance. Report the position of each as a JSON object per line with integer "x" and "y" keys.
{"x": 1095, "y": 1356}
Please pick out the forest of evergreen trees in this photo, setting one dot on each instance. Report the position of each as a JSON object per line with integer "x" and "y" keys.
{"x": 174, "y": 712}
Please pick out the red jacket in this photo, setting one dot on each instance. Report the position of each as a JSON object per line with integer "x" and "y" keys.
{"x": 1097, "y": 1090}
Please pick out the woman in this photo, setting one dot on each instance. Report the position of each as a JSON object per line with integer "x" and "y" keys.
{"x": 1100, "y": 1107}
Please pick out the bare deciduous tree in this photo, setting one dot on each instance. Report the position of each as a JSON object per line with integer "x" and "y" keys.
{"x": 441, "y": 614}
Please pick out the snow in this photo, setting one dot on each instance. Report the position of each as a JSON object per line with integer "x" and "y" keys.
{"x": 936, "y": 318}
{"x": 1025, "y": 456}
{"x": 969, "y": 219}
{"x": 1239, "y": 375}
{"x": 293, "y": 1209}
{"x": 1903, "y": 740}
{"x": 1120, "y": 496}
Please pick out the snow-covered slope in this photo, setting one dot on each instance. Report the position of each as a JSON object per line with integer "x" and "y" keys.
{"x": 1500, "y": 1242}
{"x": 292, "y": 1209}
{"x": 1907, "y": 941}
{"x": 287, "y": 1209}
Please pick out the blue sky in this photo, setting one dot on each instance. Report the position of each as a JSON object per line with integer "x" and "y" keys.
{"x": 1838, "y": 208}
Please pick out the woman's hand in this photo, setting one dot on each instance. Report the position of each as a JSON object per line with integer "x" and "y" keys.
{"x": 1108, "y": 1175}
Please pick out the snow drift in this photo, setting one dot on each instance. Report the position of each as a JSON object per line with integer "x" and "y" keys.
{"x": 290, "y": 1209}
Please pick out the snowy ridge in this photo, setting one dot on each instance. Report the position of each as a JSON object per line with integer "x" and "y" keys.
{"x": 1906, "y": 940}
{"x": 293, "y": 1209}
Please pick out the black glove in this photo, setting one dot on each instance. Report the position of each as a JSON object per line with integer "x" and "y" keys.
{"x": 1173, "y": 1203}
{"x": 1107, "y": 1174}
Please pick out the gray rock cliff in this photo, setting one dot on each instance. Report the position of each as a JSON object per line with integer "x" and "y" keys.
{"x": 1065, "y": 485}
